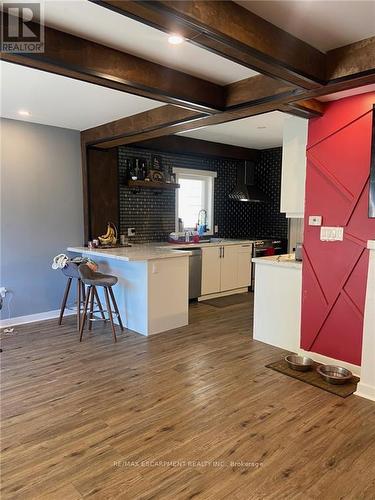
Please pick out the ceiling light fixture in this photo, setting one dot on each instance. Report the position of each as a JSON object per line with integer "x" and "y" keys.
{"x": 261, "y": 127}
{"x": 175, "y": 39}
{"x": 23, "y": 112}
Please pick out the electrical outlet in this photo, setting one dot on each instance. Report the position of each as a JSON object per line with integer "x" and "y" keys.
{"x": 216, "y": 229}
{"x": 131, "y": 231}
{"x": 315, "y": 220}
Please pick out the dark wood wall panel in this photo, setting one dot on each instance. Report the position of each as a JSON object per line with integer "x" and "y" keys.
{"x": 103, "y": 190}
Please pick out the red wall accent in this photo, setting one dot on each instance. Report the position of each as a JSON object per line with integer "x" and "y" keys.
{"x": 334, "y": 273}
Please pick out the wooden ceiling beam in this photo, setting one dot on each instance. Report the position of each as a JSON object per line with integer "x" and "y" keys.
{"x": 75, "y": 57}
{"x": 190, "y": 146}
{"x": 351, "y": 61}
{"x": 137, "y": 125}
{"x": 255, "y": 90}
{"x": 235, "y": 33}
{"x": 307, "y": 108}
{"x": 168, "y": 120}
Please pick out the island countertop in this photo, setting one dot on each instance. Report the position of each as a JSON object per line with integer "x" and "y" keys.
{"x": 281, "y": 261}
{"x": 133, "y": 253}
{"x": 152, "y": 251}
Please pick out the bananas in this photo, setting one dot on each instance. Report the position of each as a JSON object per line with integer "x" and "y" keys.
{"x": 110, "y": 237}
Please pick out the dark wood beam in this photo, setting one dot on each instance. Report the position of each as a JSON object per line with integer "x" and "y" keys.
{"x": 166, "y": 124}
{"x": 351, "y": 61}
{"x": 184, "y": 125}
{"x": 75, "y": 57}
{"x": 257, "y": 89}
{"x": 196, "y": 147}
{"x": 308, "y": 108}
{"x": 232, "y": 31}
{"x": 137, "y": 125}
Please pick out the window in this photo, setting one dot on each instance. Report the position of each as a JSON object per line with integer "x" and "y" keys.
{"x": 196, "y": 193}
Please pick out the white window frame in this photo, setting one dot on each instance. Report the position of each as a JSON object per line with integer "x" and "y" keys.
{"x": 209, "y": 176}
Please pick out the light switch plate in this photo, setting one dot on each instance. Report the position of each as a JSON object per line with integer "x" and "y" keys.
{"x": 331, "y": 233}
{"x": 131, "y": 231}
{"x": 315, "y": 220}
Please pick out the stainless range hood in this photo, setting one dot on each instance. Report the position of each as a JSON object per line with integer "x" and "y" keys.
{"x": 245, "y": 189}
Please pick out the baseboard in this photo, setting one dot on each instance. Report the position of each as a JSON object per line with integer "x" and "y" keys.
{"x": 222, "y": 294}
{"x": 365, "y": 391}
{"x": 32, "y": 318}
{"x": 325, "y": 360}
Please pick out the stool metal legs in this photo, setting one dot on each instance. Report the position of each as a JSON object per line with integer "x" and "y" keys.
{"x": 81, "y": 296}
{"x": 65, "y": 298}
{"x": 116, "y": 308}
{"x": 109, "y": 309}
{"x": 92, "y": 295}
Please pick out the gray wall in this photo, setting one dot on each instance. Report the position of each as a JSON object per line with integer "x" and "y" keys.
{"x": 41, "y": 211}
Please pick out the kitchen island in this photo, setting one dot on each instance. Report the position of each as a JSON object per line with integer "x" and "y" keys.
{"x": 153, "y": 279}
{"x": 277, "y": 301}
{"x": 152, "y": 288}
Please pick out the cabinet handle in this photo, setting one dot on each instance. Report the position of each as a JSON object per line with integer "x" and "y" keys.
{"x": 245, "y": 246}
{"x": 223, "y": 252}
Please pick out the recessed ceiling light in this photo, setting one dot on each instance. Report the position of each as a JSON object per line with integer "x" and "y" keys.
{"x": 175, "y": 39}
{"x": 261, "y": 126}
{"x": 23, "y": 112}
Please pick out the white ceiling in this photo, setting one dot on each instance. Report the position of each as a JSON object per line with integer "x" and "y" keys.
{"x": 63, "y": 102}
{"x": 324, "y": 24}
{"x": 258, "y": 132}
{"x": 90, "y": 21}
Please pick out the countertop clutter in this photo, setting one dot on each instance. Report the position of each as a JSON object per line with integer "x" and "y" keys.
{"x": 280, "y": 261}
{"x": 152, "y": 251}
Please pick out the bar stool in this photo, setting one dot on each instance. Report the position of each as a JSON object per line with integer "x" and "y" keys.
{"x": 71, "y": 272}
{"x": 94, "y": 279}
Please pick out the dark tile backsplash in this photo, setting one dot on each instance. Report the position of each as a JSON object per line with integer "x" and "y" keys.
{"x": 152, "y": 214}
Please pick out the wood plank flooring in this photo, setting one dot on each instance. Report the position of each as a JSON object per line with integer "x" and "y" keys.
{"x": 191, "y": 413}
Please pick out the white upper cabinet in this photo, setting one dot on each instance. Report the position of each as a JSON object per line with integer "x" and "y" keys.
{"x": 294, "y": 166}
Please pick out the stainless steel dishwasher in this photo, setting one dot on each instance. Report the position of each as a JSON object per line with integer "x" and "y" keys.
{"x": 195, "y": 272}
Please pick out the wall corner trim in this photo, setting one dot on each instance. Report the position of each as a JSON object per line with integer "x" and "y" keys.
{"x": 32, "y": 318}
{"x": 325, "y": 360}
{"x": 365, "y": 391}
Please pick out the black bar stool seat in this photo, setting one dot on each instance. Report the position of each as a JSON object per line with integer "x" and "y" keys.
{"x": 94, "y": 279}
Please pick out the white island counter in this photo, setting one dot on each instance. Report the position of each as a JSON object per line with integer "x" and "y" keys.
{"x": 152, "y": 288}
{"x": 277, "y": 301}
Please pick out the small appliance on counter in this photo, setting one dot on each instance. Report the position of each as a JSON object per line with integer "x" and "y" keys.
{"x": 299, "y": 251}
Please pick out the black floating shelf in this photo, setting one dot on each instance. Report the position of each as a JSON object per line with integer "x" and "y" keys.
{"x": 151, "y": 185}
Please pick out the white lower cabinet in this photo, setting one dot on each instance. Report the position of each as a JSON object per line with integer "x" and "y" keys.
{"x": 244, "y": 265}
{"x": 211, "y": 262}
{"x": 228, "y": 271}
{"x": 225, "y": 268}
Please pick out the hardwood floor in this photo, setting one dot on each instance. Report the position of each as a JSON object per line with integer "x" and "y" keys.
{"x": 83, "y": 419}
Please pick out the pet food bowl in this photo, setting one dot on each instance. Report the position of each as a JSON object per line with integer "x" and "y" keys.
{"x": 299, "y": 363}
{"x": 334, "y": 374}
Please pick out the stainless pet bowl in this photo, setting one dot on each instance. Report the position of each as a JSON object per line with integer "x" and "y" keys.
{"x": 334, "y": 374}
{"x": 300, "y": 363}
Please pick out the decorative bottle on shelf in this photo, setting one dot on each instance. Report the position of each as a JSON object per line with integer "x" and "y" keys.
{"x": 143, "y": 170}
{"x": 137, "y": 169}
